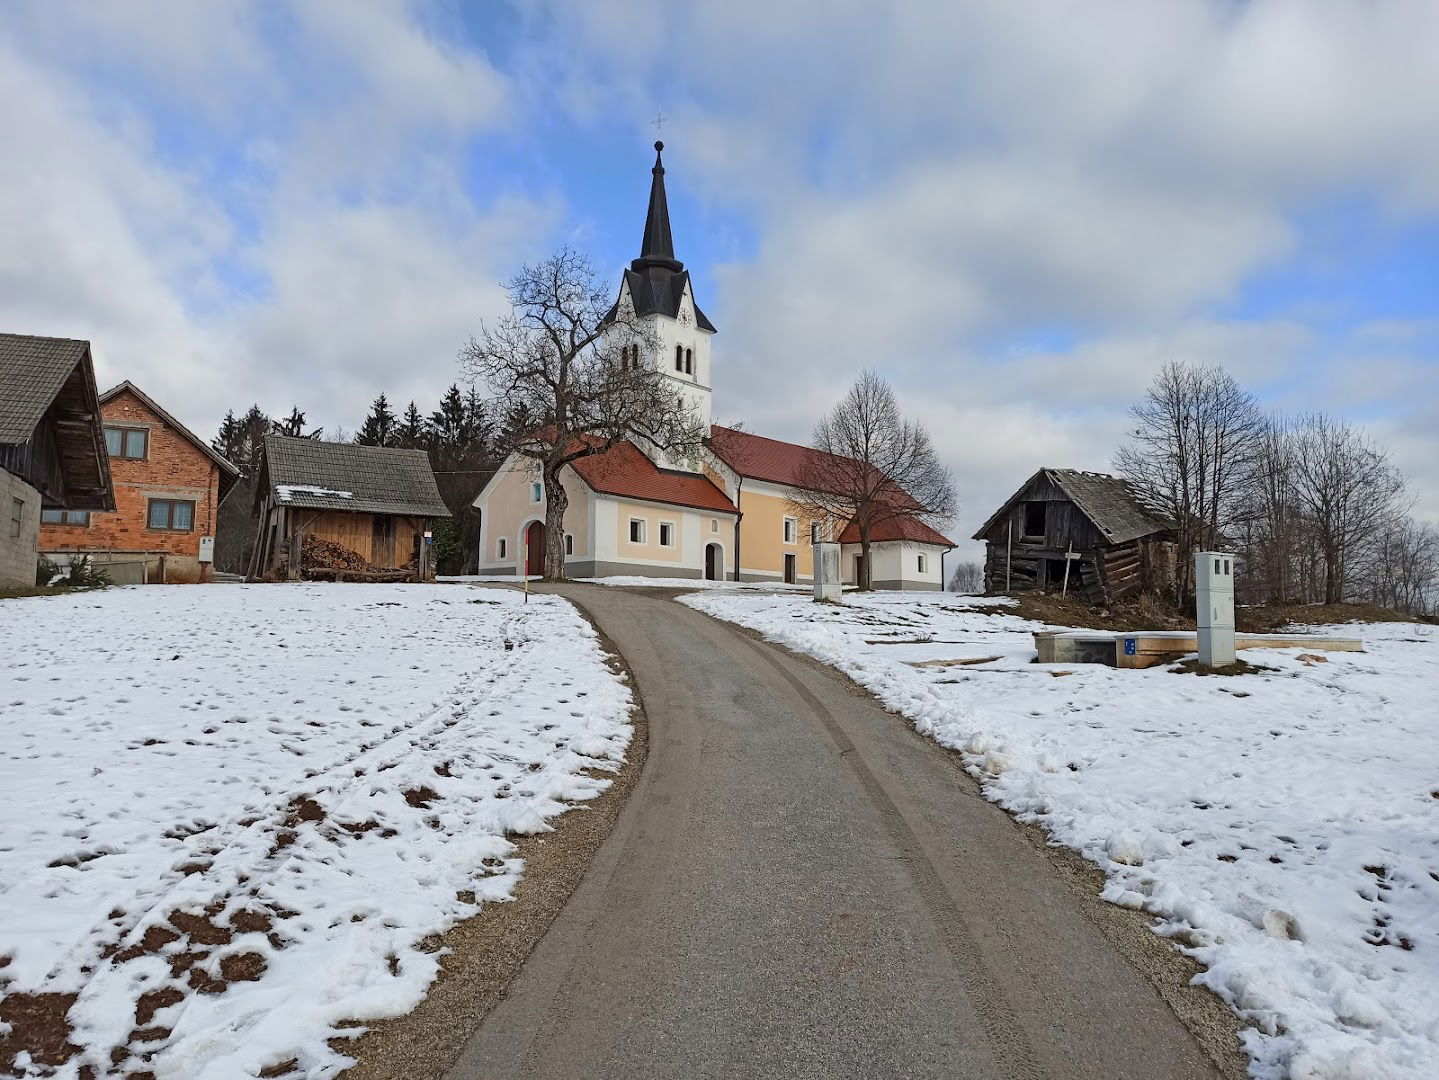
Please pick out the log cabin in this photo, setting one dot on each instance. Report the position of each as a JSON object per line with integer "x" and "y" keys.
{"x": 376, "y": 501}
{"x": 1084, "y": 534}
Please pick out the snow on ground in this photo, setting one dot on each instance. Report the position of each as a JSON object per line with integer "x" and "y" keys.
{"x": 233, "y": 814}
{"x": 1283, "y": 827}
{"x": 640, "y": 581}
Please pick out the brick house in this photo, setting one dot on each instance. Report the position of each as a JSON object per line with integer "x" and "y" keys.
{"x": 169, "y": 484}
{"x": 52, "y": 453}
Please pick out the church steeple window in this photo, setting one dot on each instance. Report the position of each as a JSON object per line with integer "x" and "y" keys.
{"x": 689, "y": 362}
{"x": 679, "y": 358}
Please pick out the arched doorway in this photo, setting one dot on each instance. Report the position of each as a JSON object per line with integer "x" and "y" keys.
{"x": 535, "y": 548}
{"x": 714, "y": 562}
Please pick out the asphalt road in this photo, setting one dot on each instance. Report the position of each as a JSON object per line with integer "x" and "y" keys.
{"x": 801, "y": 887}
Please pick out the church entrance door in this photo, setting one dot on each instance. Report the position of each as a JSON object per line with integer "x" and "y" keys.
{"x": 535, "y": 548}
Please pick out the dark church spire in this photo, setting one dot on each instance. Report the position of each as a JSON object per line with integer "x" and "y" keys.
{"x": 658, "y": 247}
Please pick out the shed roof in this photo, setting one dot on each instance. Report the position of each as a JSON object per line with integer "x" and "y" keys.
{"x": 905, "y": 527}
{"x": 345, "y": 476}
{"x": 1115, "y": 507}
{"x": 33, "y": 370}
{"x": 38, "y": 374}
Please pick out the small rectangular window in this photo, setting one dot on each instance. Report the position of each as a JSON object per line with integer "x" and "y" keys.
{"x": 65, "y": 517}
{"x": 1216, "y": 566}
{"x": 537, "y": 492}
{"x": 637, "y": 530}
{"x": 667, "y": 534}
{"x": 129, "y": 443}
{"x": 17, "y": 517}
{"x": 170, "y": 515}
{"x": 922, "y": 564}
{"x": 1226, "y": 566}
{"x": 790, "y": 530}
{"x": 569, "y": 543}
{"x": 500, "y": 548}
{"x": 714, "y": 524}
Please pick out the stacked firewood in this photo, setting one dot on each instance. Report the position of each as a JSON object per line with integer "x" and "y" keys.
{"x": 325, "y": 560}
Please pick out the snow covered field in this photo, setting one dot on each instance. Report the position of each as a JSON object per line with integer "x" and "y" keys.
{"x": 233, "y": 814}
{"x": 1283, "y": 827}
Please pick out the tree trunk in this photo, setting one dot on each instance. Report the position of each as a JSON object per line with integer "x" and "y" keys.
{"x": 866, "y": 581}
{"x": 557, "y": 501}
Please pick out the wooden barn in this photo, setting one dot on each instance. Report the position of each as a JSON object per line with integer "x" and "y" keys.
{"x": 376, "y": 503}
{"x": 1081, "y": 533}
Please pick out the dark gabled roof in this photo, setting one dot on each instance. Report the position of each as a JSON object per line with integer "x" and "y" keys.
{"x": 344, "y": 476}
{"x": 33, "y": 370}
{"x": 625, "y": 471}
{"x": 657, "y": 280}
{"x": 228, "y": 472}
{"x": 45, "y": 375}
{"x": 1118, "y": 511}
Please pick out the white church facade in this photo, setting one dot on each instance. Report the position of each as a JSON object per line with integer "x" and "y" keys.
{"x": 727, "y": 517}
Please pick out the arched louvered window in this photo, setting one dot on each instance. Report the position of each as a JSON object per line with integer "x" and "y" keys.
{"x": 689, "y": 362}
{"x": 679, "y": 358}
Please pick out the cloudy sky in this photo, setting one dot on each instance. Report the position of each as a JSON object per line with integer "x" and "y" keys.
{"x": 1015, "y": 210}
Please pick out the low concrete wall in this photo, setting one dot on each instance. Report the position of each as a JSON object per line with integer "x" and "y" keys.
{"x": 908, "y": 586}
{"x": 18, "y": 554}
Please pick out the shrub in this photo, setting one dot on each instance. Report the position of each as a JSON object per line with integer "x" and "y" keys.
{"x": 86, "y": 575}
{"x": 46, "y": 570}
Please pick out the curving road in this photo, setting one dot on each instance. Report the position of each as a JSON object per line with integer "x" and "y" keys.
{"x": 800, "y": 887}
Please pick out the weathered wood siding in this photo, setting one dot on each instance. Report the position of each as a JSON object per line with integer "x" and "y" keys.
{"x": 357, "y": 531}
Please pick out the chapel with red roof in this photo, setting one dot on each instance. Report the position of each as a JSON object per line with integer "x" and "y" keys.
{"x": 727, "y": 517}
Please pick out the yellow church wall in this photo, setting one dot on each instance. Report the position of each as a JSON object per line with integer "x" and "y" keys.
{"x": 762, "y": 546}
{"x": 652, "y": 516}
{"x": 511, "y": 506}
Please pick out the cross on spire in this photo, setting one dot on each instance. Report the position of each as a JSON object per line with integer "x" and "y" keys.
{"x": 658, "y": 122}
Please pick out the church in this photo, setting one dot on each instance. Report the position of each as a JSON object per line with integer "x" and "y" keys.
{"x": 727, "y": 517}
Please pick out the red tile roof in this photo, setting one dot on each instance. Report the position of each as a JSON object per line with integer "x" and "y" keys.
{"x": 625, "y": 471}
{"x": 898, "y": 528}
{"x": 759, "y": 458}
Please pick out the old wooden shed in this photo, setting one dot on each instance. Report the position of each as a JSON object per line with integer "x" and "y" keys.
{"x": 1114, "y": 544}
{"x": 377, "y": 502}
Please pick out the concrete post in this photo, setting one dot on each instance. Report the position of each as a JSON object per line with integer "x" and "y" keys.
{"x": 828, "y": 585}
{"x": 1214, "y": 607}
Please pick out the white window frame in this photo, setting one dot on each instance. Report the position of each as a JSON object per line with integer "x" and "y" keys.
{"x": 791, "y": 530}
{"x": 569, "y": 543}
{"x": 714, "y": 525}
{"x": 500, "y": 546}
{"x": 643, "y": 530}
{"x": 671, "y": 526}
{"x": 923, "y": 563}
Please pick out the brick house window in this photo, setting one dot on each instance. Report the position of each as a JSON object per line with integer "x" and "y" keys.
{"x": 171, "y": 515}
{"x": 129, "y": 443}
{"x": 667, "y": 534}
{"x": 17, "y": 517}
{"x": 65, "y": 517}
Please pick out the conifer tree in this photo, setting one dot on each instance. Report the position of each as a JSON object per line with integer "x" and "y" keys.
{"x": 380, "y": 427}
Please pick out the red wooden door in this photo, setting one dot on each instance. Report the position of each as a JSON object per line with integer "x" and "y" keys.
{"x": 535, "y": 548}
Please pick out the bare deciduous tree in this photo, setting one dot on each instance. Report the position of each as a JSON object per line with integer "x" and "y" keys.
{"x": 1348, "y": 489}
{"x": 872, "y": 467}
{"x": 968, "y": 577}
{"x": 574, "y": 377}
{"x": 1194, "y": 443}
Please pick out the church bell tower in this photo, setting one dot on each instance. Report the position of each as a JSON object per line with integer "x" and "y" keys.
{"x": 659, "y": 287}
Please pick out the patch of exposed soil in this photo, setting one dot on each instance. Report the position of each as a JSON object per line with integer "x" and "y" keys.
{"x": 1152, "y": 614}
{"x": 37, "y": 1023}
